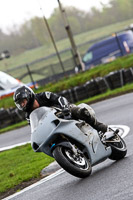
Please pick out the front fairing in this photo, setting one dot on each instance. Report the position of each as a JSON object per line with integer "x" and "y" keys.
{"x": 46, "y": 127}
{"x": 42, "y": 124}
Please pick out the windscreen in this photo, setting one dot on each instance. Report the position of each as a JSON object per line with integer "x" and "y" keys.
{"x": 36, "y": 116}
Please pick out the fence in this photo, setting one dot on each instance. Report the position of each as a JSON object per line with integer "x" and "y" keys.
{"x": 43, "y": 72}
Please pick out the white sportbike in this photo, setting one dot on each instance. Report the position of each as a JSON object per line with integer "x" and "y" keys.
{"x": 74, "y": 144}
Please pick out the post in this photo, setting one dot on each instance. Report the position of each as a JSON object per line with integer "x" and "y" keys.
{"x": 29, "y": 72}
{"x": 76, "y": 54}
{"x": 52, "y": 38}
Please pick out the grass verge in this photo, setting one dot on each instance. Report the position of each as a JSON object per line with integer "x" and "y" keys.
{"x": 20, "y": 165}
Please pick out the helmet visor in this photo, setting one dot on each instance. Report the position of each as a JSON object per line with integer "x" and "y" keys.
{"x": 21, "y": 104}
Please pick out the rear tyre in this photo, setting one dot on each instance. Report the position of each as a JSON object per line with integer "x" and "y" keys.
{"x": 119, "y": 149}
{"x": 77, "y": 165}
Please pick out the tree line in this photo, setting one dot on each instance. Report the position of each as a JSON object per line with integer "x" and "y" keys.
{"x": 33, "y": 33}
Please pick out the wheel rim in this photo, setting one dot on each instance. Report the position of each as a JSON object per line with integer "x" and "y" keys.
{"x": 78, "y": 160}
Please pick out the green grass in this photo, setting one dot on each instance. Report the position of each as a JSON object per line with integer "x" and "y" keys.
{"x": 20, "y": 164}
{"x": 7, "y": 102}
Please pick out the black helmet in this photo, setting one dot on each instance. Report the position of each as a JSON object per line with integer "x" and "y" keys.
{"x": 22, "y": 93}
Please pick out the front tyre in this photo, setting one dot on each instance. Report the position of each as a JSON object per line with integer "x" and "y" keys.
{"x": 77, "y": 165}
{"x": 119, "y": 149}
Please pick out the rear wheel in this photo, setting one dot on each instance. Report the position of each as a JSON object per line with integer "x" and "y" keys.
{"x": 75, "y": 164}
{"x": 119, "y": 149}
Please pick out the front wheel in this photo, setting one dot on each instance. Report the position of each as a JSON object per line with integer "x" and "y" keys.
{"x": 118, "y": 147}
{"x": 75, "y": 164}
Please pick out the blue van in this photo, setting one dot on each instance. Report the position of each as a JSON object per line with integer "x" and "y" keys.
{"x": 109, "y": 49}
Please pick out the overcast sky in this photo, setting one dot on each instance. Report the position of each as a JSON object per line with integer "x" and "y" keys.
{"x": 15, "y": 12}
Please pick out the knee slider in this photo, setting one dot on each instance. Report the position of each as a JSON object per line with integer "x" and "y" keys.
{"x": 84, "y": 112}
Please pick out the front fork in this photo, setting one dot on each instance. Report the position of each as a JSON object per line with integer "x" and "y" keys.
{"x": 68, "y": 145}
{"x": 111, "y": 136}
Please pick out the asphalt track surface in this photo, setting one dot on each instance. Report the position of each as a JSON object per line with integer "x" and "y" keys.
{"x": 15, "y": 137}
{"x": 109, "y": 180}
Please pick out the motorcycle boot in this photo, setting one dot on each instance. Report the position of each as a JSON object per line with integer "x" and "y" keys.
{"x": 84, "y": 114}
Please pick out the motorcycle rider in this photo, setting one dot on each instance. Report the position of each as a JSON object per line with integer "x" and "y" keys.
{"x": 26, "y": 100}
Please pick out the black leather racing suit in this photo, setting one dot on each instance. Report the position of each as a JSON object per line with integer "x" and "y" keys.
{"x": 50, "y": 99}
